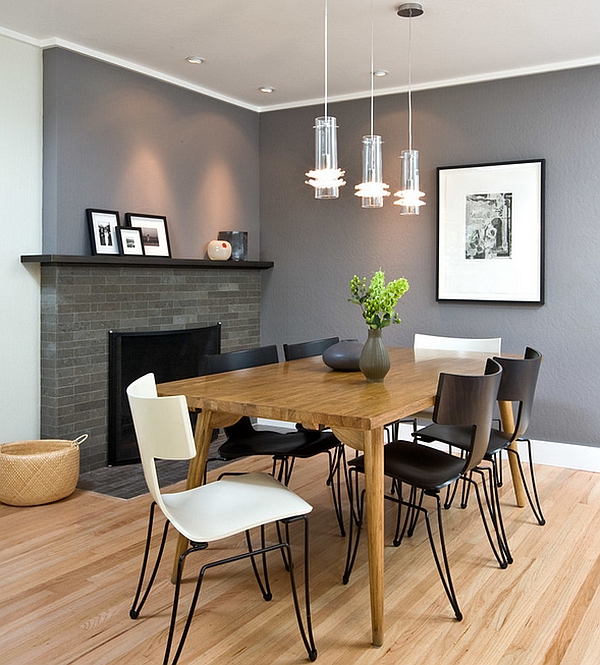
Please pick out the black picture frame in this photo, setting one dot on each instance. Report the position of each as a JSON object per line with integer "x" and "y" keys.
{"x": 103, "y": 225}
{"x": 490, "y": 233}
{"x": 154, "y": 231}
{"x": 130, "y": 241}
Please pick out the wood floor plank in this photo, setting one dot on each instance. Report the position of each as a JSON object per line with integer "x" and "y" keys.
{"x": 68, "y": 573}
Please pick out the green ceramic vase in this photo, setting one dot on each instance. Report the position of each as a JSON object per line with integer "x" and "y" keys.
{"x": 374, "y": 360}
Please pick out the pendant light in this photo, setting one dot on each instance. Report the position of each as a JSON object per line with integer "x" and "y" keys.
{"x": 372, "y": 189}
{"x": 326, "y": 177}
{"x": 409, "y": 195}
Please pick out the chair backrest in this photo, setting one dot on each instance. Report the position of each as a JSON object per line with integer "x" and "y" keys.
{"x": 468, "y": 401}
{"x": 518, "y": 383}
{"x": 162, "y": 428}
{"x": 226, "y": 362}
{"x": 485, "y": 344}
{"x": 315, "y": 347}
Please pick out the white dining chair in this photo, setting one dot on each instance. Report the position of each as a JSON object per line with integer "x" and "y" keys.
{"x": 232, "y": 505}
{"x": 422, "y": 342}
{"x": 484, "y": 344}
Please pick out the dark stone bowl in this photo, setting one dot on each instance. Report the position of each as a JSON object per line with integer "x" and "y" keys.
{"x": 344, "y": 355}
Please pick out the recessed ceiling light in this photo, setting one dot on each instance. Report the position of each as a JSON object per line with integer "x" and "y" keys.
{"x": 380, "y": 72}
{"x": 195, "y": 59}
{"x": 267, "y": 89}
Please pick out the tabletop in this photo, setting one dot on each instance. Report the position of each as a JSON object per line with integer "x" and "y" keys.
{"x": 306, "y": 390}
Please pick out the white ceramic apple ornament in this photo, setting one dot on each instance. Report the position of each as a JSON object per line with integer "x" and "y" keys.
{"x": 219, "y": 250}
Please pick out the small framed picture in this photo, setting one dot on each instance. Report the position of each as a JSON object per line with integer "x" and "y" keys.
{"x": 153, "y": 229}
{"x": 103, "y": 225}
{"x": 130, "y": 240}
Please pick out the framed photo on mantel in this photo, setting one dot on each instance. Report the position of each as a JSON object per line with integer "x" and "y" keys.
{"x": 490, "y": 233}
{"x": 130, "y": 240}
{"x": 153, "y": 228}
{"x": 103, "y": 225}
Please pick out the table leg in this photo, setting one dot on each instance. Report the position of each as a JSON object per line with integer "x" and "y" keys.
{"x": 508, "y": 425}
{"x": 373, "y": 447}
{"x": 371, "y": 443}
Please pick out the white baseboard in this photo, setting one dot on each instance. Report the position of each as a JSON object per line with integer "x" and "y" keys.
{"x": 565, "y": 455}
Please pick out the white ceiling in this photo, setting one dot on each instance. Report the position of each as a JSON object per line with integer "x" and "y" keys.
{"x": 280, "y": 43}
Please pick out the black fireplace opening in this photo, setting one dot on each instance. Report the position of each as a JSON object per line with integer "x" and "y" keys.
{"x": 169, "y": 354}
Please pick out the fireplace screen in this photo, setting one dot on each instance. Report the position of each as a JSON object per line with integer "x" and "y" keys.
{"x": 171, "y": 355}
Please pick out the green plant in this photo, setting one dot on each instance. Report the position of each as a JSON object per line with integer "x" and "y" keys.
{"x": 379, "y": 299}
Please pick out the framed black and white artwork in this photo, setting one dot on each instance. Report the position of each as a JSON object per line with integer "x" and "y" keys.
{"x": 130, "y": 240}
{"x": 153, "y": 228}
{"x": 490, "y": 233}
{"x": 103, "y": 225}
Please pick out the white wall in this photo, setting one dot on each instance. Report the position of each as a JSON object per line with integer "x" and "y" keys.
{"x": 20, "y": 233}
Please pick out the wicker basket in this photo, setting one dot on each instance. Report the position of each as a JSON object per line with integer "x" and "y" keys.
{"x": 36, "y": 472}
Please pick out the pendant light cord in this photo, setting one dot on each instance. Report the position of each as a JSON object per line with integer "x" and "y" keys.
{"x": 410, "y": 131}
{"x": 372, "y": 75}
{"x": 326, "y": 55}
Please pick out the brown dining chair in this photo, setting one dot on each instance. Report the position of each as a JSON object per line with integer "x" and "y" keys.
{"x": 517, "y": 387}
{"x": 465, "y": 402}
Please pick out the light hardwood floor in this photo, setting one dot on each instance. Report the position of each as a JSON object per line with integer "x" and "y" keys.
{"x": 68, "y": 572}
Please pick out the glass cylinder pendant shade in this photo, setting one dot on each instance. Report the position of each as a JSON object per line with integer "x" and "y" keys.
{"x": 372, "y": 189}
{"x": 326, "y": 177}
{"x": 409, "y": 195}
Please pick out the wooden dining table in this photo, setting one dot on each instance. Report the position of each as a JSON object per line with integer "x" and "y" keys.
{"x": 307, "y": 391}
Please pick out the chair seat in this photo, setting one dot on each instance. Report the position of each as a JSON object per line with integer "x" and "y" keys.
{"x": 460, "y": 437}
{"x": 420, "y": 466}
{"x": 295, "y": 444}
{"x": 232, "y": 505}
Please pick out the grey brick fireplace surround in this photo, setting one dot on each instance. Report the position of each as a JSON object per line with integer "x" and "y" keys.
{"x": 85, "y": 297}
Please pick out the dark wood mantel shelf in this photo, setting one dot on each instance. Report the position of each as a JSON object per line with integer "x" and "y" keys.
{"x": 147, "y": 261}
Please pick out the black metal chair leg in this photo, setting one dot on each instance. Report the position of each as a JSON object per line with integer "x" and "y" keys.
{"x": 306, "y": 631}
{"x": 409, "y": 523}
{"x": 136, "y": 607}
{"x": 497, "y": 550}
{"x": 450, "y": 495}
{"x": 414, "y": 510}
{"x": 356, "y": 513}
{"x": 194, "y": 548}
{"x": 495, "y": 510}
{"x": 399, "y": 531}
{"x": 337, "y": 461}
{"x": 499, "y": 524}
{"x": 265, "y": 587}
{"x": 444, "y": 572}
{"x": 534, "y": 501}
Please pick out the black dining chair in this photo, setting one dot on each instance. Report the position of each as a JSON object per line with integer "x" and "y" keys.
{"x": 314, "y": 347}
{"x": 517, "y": 386}
{"x": 465, "y": 402}
{"x": 243, "y": 439}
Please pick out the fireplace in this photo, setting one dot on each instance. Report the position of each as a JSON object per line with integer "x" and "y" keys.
{"x": 169, "y": 354}
{"x": 85, "y": 297}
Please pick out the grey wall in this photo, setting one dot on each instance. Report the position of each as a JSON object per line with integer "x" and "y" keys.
{"x": 118, "y": 140}
{"x": 318, "y": 245}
